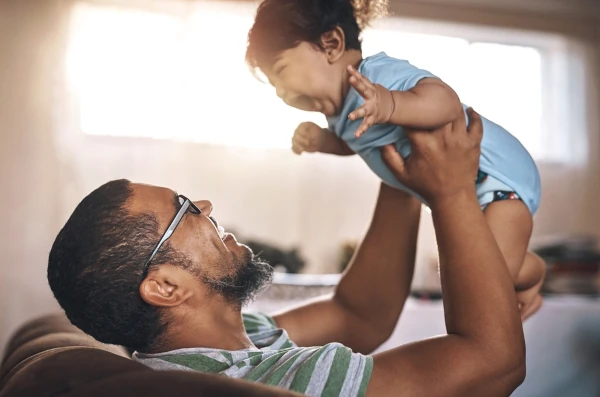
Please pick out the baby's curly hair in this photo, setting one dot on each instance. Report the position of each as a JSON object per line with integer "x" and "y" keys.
{"x": 283, "y": 24}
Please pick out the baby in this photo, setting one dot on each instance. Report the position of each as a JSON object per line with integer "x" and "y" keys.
{"x": 310, "y": 51}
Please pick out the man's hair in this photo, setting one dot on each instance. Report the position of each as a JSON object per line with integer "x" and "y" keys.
{"x": 95, "y": 269}
{"x": 283, "y": 24}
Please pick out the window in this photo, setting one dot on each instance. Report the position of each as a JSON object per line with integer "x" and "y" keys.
{"x": 182, "y": 76}
{"x": 502, "y": 82}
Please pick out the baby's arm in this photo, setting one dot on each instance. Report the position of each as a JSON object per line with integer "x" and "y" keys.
{"x": 311, "y": 138}
{"x": 430, "y": 104}
{"x": 333, "y": 144}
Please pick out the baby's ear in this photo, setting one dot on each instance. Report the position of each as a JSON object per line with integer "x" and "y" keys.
{"x": 334, "y": 44}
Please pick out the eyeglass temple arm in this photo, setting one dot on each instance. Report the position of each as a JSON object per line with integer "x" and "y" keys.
{"x": 171, "y": 229}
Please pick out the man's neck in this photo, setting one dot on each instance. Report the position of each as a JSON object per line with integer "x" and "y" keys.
{"x": 217, "y": 326}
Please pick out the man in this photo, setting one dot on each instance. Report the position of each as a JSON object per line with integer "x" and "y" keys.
{"x": 142, "y": 267}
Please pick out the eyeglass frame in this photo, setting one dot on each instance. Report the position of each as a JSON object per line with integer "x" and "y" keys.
{"x": 186, "y": 206}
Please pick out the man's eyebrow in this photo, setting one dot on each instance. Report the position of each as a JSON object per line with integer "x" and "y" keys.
{"x": 176, "y": 202}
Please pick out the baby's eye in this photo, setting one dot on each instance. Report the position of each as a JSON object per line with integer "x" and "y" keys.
{"x": 280, "y": 69}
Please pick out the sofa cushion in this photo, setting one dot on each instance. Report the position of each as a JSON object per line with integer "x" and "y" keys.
{"x": 53, "y": 341}
{"x": 39, "y": 327}
{"x": 90, "y": 372}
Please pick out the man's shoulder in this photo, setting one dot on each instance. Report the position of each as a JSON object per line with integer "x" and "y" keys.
{"x": 257, "y": 322}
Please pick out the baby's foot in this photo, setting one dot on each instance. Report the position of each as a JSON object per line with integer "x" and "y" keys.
{"x": 530, "y": 300}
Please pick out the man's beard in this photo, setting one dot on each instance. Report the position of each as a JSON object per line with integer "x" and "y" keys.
{"x": 242, "y": 287}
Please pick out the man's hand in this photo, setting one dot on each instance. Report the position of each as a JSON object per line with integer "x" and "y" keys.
{"x": 308, "y": 137}
{"x": 378, "y": 105}
{"x": 444, "y": 151}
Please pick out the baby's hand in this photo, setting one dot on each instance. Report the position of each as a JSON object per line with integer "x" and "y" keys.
{"x": 308, "y": 137}
{"x": 378, "y": 106}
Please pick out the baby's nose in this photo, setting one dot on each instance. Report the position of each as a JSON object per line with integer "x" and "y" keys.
{"x": 281, "y": 92}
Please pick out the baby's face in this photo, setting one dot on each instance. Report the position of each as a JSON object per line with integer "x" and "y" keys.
{"x": 305, "y": 79}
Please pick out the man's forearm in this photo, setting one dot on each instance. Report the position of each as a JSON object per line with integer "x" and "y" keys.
{"x": 365, "y": 307}
{"x": 377, "y": 282}
{"x": 428, "y": 105}
{"x": 474, "y": 277}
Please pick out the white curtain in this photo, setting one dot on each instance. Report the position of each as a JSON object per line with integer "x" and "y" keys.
{"x": 32, "y": 37}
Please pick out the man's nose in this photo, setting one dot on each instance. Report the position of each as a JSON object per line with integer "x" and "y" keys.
{"x": 205, "y": 206}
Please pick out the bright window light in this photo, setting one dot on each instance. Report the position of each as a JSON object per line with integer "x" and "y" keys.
{"x": 502, "y": 82}
{"x": 168, "y": 76}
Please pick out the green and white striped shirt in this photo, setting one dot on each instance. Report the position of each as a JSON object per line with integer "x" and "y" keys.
{"x": 330, "y": 370}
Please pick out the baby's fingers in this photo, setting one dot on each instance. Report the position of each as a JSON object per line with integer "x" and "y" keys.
{"x": 300, "y": 141}
{"x": 358, "y": 76}
{"x": 365, "y": 125}
{"x": 297, "y": 149}
{"x": 299, "y": 144}
{"x": 358, "y": 113}
{"x": 361, "y": 83}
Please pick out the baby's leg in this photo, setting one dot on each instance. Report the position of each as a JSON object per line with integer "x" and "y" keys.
{"x": 511, "y": 223}
{"x": 529, "y": 283}
{"x": 532, "y": 272}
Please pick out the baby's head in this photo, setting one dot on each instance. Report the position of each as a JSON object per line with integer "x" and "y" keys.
{"x": 304, "y": 46}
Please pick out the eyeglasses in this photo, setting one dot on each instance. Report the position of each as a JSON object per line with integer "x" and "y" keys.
{"x": 186, "y": 205}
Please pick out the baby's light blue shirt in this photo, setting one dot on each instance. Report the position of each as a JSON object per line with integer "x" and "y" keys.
{"x": 502, "y": 155}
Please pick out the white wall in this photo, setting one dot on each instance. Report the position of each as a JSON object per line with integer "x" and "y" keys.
{"x": 29, "y": 173}
{"x": 315, "y": 201}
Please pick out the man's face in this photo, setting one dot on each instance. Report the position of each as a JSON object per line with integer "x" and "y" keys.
{"x": 222, "y": 263}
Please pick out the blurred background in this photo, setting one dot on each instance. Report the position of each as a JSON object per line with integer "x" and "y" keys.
{"x": 157, "y": 91}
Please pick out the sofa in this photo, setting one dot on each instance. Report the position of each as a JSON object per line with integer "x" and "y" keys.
{"x": 50, "y": 357}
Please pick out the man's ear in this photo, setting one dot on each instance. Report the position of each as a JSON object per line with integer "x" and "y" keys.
{"x": 165, "y": 287}
{"x": 334, "y": 44}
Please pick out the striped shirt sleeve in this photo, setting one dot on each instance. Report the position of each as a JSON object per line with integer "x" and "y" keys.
{"x": 256, "y": 322}
{"x": 329, "y": 371}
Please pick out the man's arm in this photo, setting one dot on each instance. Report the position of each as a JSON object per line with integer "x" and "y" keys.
{"x": 365, "y": 307}
{"x": 483, "y": 353}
